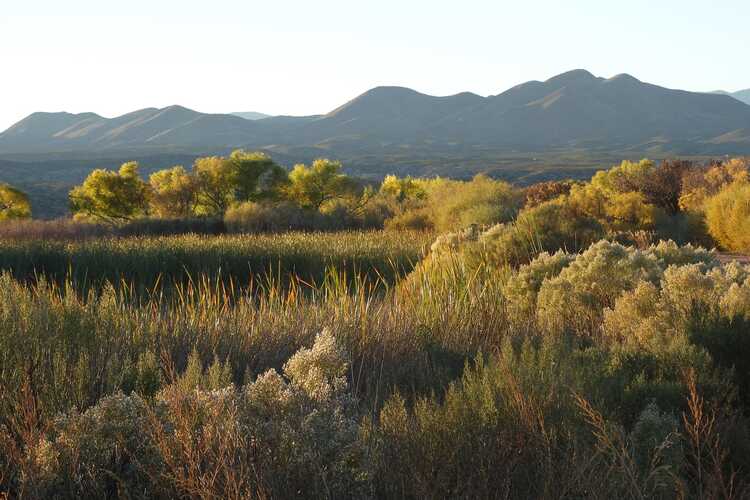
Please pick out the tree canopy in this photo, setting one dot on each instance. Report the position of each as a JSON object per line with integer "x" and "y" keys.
{"x": 111, "y": 196}
{"x": 241, "y": 177}
{"x": 322, "y": 182}
{"x": 14, "y": 204}
{"x": 174, "y": 193}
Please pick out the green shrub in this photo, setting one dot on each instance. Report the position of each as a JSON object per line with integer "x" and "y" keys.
{"x": 251, "y": 217}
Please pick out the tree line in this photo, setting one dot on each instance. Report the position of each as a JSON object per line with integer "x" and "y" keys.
{"x": 248, "y": 192}
{"x": 213, "y": 186}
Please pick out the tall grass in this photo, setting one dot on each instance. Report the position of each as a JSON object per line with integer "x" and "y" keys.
{"x": 144, "y": 261}
{"x": 459, "y": 381}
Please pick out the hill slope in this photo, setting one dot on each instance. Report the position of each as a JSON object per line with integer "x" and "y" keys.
{"x": 572, "y": 111}
{"x": 146, "y": 129}
{"x": 251, "y": 115}
{"x": 742, "y": 95}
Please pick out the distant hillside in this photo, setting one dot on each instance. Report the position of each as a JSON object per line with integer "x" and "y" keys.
{"x": 573, "y": 111}
{"x": 741, "y": 95}
{"x": 147, "y": 130}
{"x": 251, "y": 115}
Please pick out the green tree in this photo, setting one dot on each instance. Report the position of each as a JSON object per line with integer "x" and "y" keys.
{"x": 322, "y": 182}
{"x": 402, "y": 190}
{"x": 14, "y": 204}
{"x": 216, "y": 181}
{"x": 174, "y": 193}
{"x": 239, "y": 178}
{"x": 111, "y": 196}
{"x": 257, "y": 176}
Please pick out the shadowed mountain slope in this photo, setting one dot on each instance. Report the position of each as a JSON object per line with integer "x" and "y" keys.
{"x": 572, "y": 111}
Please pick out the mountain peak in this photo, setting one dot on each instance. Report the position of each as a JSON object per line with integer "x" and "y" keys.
{"x": 573, "y": 76}
{"x": 390, "y": 91}
{"x": 177, "y": 108}
{"x": 624, "y": 77}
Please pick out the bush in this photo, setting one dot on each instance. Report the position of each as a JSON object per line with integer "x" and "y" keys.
{"x": 251, "y": 217}
{"x": 277, "y": 436}
{"x": 451, "y": 205}
{"x": 548, "y": 227}
{"x": 538, "y": 193}
{"x": 728, "y": 217}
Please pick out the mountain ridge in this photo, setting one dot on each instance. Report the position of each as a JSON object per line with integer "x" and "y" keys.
{"x": 572, "y": 110}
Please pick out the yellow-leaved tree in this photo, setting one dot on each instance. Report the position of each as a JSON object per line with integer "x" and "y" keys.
{"x": 14, "y": 204}
{"x": 174, "y": 193}
{"x": 728, "y": 216}
{"x": 111, "y": 196}
{"x": 322, "y": 182}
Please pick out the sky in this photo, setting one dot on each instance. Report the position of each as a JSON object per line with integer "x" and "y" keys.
{"x": 308, "y": 57}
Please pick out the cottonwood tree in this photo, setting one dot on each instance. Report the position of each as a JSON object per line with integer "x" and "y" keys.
{"x": 111, "y": 196}
{"x": 241, "y": 177}
{"x": 174, "y": 193}
{"x": 402, "y": 189}
{"x": 322, "y": 182}
{"x": 257, "y": 176}
{"x": 216, "y": 185}
{"x": 14, "y": 204}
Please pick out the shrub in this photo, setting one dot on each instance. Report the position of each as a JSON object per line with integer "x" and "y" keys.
{"x": 251, "y": 217}
{"x": 538, "y": 193}
{"x": 549, "y": 227}
{"x": 276, "y": 436}
{"x": 728, "y": 217}
{"x": 411, "y": 220}
{"x": 573, "y": 300}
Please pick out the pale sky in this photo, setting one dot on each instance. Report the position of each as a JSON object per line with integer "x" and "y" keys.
{"x": 309, "y": 56}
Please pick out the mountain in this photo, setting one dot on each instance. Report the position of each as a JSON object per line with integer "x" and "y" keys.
{"x": 146, "y": 129}
{"x": 251, "y": 115}
{"x": 741, "y": 95}
{"x": 574, "y": 111}
{"x": 577, "y": 109}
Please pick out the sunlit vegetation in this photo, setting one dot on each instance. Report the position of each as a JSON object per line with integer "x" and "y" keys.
{"x": 145, "y": 261}
{"x": 567, "y": 340}
{"x": 14, "y": 204}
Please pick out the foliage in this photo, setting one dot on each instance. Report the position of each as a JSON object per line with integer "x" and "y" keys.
{"x": 252, "y": 217}
{"x": 257, "y": 176}
{"x": 297, "y": 433}
{"x": 530, "y": 354}
{"x": 111, "y": 196}
{"x": 449, "y": 205}
{"x": 534, "y": 381}
{"x": 14, "y": 203}
{"x": 728, "y": 216}
{"x": 540, "y": 192}
{"x": 174, "y": 193}
{"x": 216, "y": 180}
{"x": 320, "y": 183}
{"x": 402, "y": 190}
{"x": 699, "y": 184}
{"x": 239, "y": 178}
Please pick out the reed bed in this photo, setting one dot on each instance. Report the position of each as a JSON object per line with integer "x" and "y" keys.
{"x": 144, "y": 261}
